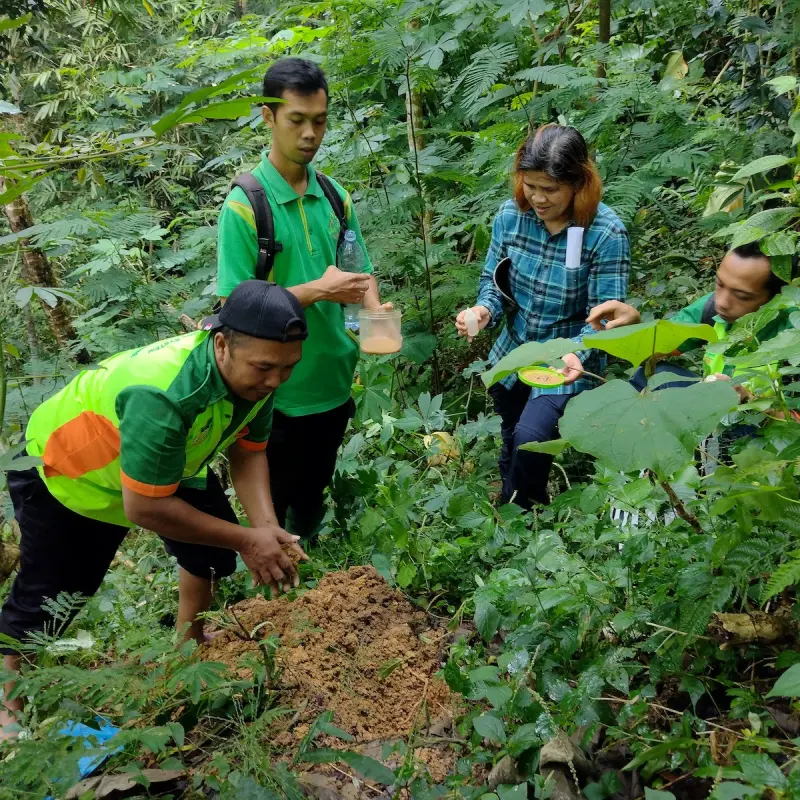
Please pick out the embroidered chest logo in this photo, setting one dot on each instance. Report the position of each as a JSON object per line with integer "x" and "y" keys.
{"x": 202, "y": 433}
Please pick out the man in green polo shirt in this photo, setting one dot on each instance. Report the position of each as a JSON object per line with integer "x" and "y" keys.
{"x": 744, "y": 282}
{"x": 313, "y": 408}
{"x": 130, "y": 444}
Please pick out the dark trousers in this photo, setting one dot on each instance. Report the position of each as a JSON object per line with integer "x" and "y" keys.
{"x": 62, "y": 551}
{"x": 526, "y": 419}
{"x": 302, "y": 457}
{"x": 639, "y": 380}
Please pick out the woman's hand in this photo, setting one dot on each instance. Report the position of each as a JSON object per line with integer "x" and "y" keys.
{"x": 573, "y": 369}
{"x": 615, "y": 313}
{"x": 483, "y": 315}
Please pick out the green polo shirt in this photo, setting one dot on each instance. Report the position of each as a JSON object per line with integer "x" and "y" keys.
{"x": 308, "y": 229}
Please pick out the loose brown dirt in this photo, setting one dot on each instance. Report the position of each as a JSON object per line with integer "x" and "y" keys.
{"x": 356, "y": 647}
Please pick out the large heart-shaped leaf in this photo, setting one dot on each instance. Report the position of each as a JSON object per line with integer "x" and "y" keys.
{"x": 628, "y": 430}
{"x": 636, "y": 343}
{"x": 526, "y": 356}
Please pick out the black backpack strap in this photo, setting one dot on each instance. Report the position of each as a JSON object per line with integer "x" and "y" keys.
{"x": 265, "y": 227}
{"x": 709, "y": 312}
{"x": 337, "y": 204}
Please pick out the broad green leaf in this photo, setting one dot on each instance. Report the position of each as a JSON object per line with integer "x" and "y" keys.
{"x": 553, "y": 447}
{"x": 418, "y": 347}
{"x": 490, "y": 727}
{"x": 383, "y": 564}
{"x": 676, "y": 67}
{"x": 405, "y": 575}
{"x": 368, "y": 767}
{"x": 763, "y": 164}
{"x": 487, "y": 673}
{"x": 783, "y": 84}
{"x": 525, "y": 737}
{"x": 487, "y": 618}
{"x": 783, "y": 347}
{"x": 177, "y": 733}
{"x": 732, "y": 791}
{"x": 782, "y": 267}
{"x": 788, "y": 685}
{"x": 13, "y": 189}
{"x": 526, "y": 356}
{"x": 636, "y": 343}
{"x": 721, "y": 197}
{"x": 8, "y": 24}
{"x": 498, "y": 696}
{"x": 760, "y": 770}
{"x": 518, "y": 792}
{"x": 10, "y": 461}
{"x": 782, "y": 243}
{"x": 628, "y": 430}
{"x": 657, "y": 794}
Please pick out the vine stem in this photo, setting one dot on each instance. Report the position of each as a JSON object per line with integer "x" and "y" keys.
{"x": 423, "y": 210}
{"x": 3, "y": 379}
{"x": 680, "y": 508}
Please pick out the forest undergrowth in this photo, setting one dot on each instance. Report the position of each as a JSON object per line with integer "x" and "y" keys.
{"x": 637, "y": 637}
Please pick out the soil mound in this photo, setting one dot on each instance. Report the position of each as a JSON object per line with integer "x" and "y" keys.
{"x": 353, "y": 646}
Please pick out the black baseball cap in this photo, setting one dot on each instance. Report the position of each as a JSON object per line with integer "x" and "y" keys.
{"x": 261, "y": 309}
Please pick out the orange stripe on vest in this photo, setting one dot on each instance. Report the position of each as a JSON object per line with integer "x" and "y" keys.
{"x": 85, "y": 443}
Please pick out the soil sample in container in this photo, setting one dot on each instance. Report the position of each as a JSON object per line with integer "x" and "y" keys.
{"x": 380, "y": 332}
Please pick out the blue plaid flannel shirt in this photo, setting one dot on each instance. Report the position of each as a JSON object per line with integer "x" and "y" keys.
{"x": 554, "y": 301}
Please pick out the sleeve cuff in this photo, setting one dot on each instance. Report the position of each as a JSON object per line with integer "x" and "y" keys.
{"x": 147, "y": 489}
{"x": 495, "y": 308}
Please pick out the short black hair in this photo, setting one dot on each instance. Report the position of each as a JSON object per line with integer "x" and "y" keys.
{"x": 231, "y": 337}
{"x": 753, "y": 250}
{"x": 293, "y": 74}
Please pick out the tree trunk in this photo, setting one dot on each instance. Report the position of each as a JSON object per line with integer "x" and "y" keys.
{"x": 604, "y": 30}
{"x": 37, "y": 271}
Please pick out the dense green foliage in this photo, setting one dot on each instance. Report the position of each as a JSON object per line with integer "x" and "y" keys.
{"x": 124, "y": 122}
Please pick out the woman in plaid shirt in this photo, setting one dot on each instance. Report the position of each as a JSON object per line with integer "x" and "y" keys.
{"x": 556, "y": 186}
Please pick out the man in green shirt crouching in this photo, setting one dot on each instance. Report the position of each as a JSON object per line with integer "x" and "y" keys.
{"x": 131, "y": 443}
{"x": 313, "y": 408}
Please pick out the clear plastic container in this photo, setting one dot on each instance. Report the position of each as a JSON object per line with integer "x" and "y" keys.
{"x": 380, "y": 332}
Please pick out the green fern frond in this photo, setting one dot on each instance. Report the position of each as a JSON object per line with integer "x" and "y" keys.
{"x": 484, "y": 70}
{"x": 388, "y": 47}
{"x": 695, "y": 617}
{"x": 560, "y": 75}
{"x": 786, "y": 575}
{"x": 39, "y": 235}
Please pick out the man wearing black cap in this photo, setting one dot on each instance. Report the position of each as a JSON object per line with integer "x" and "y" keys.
{"x": 131, "y": 443}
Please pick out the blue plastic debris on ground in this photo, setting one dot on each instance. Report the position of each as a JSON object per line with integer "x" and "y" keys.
{"x": 91, "y": 738}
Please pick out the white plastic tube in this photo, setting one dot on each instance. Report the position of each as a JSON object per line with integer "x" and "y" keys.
{"x": 574, "y": 246}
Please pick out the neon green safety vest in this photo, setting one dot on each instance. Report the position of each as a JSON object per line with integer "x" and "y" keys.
{"x": 149, "y": 419}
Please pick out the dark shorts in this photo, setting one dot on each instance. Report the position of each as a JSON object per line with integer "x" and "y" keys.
{"x": 62, "y": 551}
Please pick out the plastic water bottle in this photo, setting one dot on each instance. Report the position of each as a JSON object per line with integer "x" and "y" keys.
{"x": 351, "y": 258}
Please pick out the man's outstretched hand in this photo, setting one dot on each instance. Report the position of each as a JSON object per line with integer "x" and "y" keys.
{"x": 263, "y": 555}
{"x": 614, "y": 313}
